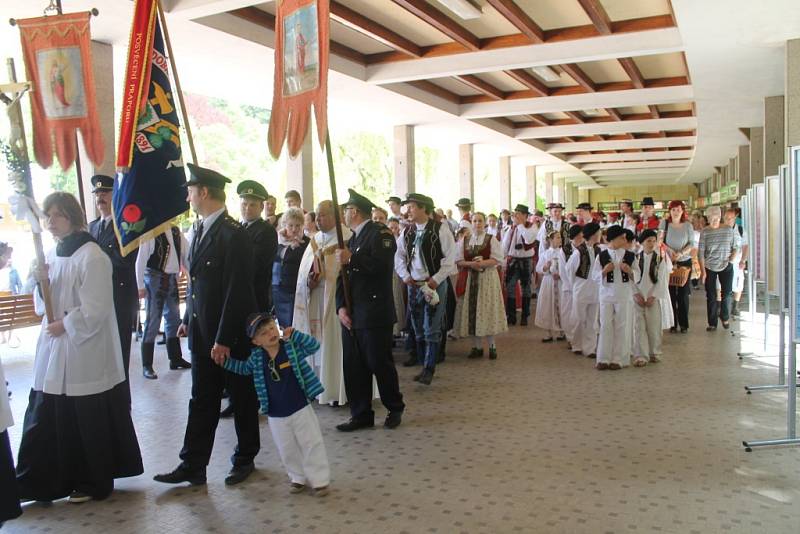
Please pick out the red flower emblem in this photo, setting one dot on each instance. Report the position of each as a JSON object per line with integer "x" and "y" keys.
{"x": 131, "y": 213}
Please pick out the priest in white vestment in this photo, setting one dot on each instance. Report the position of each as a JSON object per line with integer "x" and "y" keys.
{"x": 315, "y": 304}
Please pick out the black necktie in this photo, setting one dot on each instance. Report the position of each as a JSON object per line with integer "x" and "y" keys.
{"x": 198, "y": 235}
{"x": 102, "y": 227}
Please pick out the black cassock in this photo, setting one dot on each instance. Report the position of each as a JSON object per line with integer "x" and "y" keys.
{"x": 126, "y": 294}
{"x": 368, "y": 348}
{"x": 219, "y": 299}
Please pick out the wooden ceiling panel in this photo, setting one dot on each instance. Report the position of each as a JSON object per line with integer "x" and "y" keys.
{"x": 686, "y": 106}
{"x": 490, "y": 24}
{"x": 635, "y": 9}
{"x": 634, "y": 110}
{"x": 661, "y": 65}
{"x": 390, "y": 15}
{"x": 607, "y": 71}
{"x": 550, "y": 14}
{"x": 455, "y": 86}
{"x": 502, "y": 81}
{"x": 356, "y": 40}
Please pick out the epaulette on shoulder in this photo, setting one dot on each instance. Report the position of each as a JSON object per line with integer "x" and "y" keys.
{"x": 232, "y": 222}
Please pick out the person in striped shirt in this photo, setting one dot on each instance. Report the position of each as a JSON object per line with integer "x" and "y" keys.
{"x": 718, "y": 247}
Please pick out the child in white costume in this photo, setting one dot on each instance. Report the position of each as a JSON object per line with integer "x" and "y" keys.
{"x": 613, "y": 272}
{"x": 548, "y": 315}
{"x": 652, "y": 308}
{"x": 584, "y": 293}
{"x": 566, "y": 277}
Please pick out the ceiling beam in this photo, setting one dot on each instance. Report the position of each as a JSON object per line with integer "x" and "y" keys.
{"x": 609, "y": 127}
{"x": 441, "y": 22}
{"x": 433, "y": 89}
{"x": 632, "y": 71}
{"x": 614, "y": 114}
{"x": 583, "y": 146}
{"x": 598, "y": 14}
{"x": 355, "y": 21}
{"x": 532, "y": 121}
{"x": 517, "y": 16}
{"x": 574, "y": 115}
{"x": 577, "y": 74}
{"x": 643, "y": 164}
{"x": 529, "y": 80}
{"x": 630, "y": 156}
{"x": 602, "y": 99}
{"x": 654, "y": 112}
{"x": 481, "y": 86}
{"x": 611, "y": 174}
{"x": 658, "y": 41}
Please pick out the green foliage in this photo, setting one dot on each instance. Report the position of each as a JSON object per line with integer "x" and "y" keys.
{"x": 363, "y": 161}
{"x": 64, "y": 180}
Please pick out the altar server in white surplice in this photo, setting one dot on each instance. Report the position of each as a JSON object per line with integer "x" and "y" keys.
{"x": 652, "y": 308}
{"x": 315, "y": 304}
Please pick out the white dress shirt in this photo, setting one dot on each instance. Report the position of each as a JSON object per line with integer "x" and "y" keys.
{"x": 173, "y": 265}
{"x": 418, "y": 271}
{"x": 519, "y": 235}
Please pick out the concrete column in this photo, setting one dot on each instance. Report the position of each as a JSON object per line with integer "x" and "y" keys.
{"x": 300, "y": 173}
{"x": 103, "y": 67}
{"x": 774, "y": 134}
{"x": 530, "y": 186}
{"x": 466, "y": 171}
{"x": 548, "y": 187}
{"x": 756, "y": 156}
{"x": 733, "y": 168}
{"x": 404, "y": 162}
{"x": 583, "y": 196}
{"x": 792, "y": 92}
{"x": 561, "y": 190}
{"x": 505, "y": 182}
{"x": 743, "y": 161}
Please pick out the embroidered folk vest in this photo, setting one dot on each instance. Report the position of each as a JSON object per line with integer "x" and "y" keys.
{"x": 654, "y": 264}
{"x": 430, "y": 248}
{"x": 158, "y": 259}
{"x": 605, "y": 259}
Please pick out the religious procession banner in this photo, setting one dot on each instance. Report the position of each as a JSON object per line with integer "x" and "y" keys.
{"x": 58, "y": 61}
{"x": 149, "y": 190}
{"x": 301, "y": 74}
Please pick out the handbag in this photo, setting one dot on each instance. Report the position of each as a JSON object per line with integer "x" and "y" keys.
{"x": 679, "y": 276}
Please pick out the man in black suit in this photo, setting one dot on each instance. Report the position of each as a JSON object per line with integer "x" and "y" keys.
{"x": 367, "y": 327}
{"x": 219, "y": 299}
{"x": 126, "y": 295}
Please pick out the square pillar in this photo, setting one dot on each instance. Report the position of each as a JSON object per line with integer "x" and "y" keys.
{"x": 792, "y": 92}
{"x": 561, "y": 190}
{"x": 774, "y": 141}
{"x": 743, "y": 161}
{"x": 733, "y": 167}
{"x": 466, "y": 171}
{"x": 404, "y": 162}
{"x": 300, "y": 173}
{"x": 756, "y": 156}
{"x": 505, "y": 182}
{"x": 548, "y": 187}
{"x": 530, "y": 186}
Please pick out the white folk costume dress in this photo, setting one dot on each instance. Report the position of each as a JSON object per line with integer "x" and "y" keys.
{"x": 480, "y": 309}
{"x": 78, "y": 433}
{"x": 584, "y": 300}
{"x": 652, "y": 273}
{"x": 315, "y": 312}
{"x": 565, "y": 286}
{"x": 616, "y": 306}
{"x": 560, "y": 226}
{"x": 548, "y": 313}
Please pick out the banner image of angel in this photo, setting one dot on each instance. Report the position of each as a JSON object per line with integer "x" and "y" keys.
{"x": 301, "y": 51}
{"x": 61, "y": 72}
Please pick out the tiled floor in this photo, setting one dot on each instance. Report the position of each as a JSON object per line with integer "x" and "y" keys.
{"x": 536, "y": 441}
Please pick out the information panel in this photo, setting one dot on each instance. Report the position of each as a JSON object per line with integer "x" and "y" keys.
{"x": 759, "y": 231}
{"x": 774, "y": 216}
{"x": 792, "y": 226}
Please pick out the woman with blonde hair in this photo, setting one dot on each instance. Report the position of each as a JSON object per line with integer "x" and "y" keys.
{"x": 291, "y": 246}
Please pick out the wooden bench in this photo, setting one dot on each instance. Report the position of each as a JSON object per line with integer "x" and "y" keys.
{"x": 17, "y": 311}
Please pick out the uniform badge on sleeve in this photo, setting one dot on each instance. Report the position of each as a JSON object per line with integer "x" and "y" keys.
{"x": 387, "y": 243}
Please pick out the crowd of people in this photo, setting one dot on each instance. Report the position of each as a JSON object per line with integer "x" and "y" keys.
{"x": 287, "y": 309}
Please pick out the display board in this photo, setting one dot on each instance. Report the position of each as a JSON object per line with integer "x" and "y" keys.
{"x": 773, "y": 244}
{"x": 793, "y": 189}
{"x": 786, "y": 210}
{"x": 758, "y": 236}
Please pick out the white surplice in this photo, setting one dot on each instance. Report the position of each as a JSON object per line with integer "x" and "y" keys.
{"x": 315, "y": 312}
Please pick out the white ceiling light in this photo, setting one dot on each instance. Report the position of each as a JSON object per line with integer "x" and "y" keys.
{"x": 546, "y": 73}
{"x": 465, "y": 9}
{"x": 594, "y": 112}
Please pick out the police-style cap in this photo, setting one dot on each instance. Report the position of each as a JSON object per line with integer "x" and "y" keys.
{"x": 393, "y": 199}
{"x": 419, "y": 198}
{"x": 614, "y": 232}
{"x": 592, "y": 228}
{"x": 645, "y": 235}
{"x": 251, "y": 188}
{"x": 522, "y": 208}
{"x": 255, "y": 320}
{"x": 464, "y": 203}
{"x": 202, "y": 176}
{"x": 574, "y": 231}
{"x": 101, "y": 182}
{"x": 584, "y": 206}
{"x": 359, "y": 201}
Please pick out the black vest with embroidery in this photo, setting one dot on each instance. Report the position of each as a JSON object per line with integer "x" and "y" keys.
{"x": 653, "y": 270}
{"x": 430, "y": 248}
{"x": 605, "y": 259}
{"x": 568, "y": 250}
{"x": 564, "y": 231}
{"x": 160, "y": 256}
{"x": 585, "y": 263}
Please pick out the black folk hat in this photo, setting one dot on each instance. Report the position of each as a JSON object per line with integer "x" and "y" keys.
{"x": 251, "y": 188}
{"x": 574, "y": 231}
{"x": 419, "y": 199}
{"x": 206, "y": 177}
{"x": 646, "y": 234}
{"x": 522, "y": 208}
{"x": 393, "y": 199}
{"x": 590, "y": 229}
{"x": 555, "y": 205}
{"x": 361, "y": 202}
{"x": 648, "y": 201}
{"x": 614, "y": 231}
{"x": 584, "y": 206}
{"x": 101, "y": 182}
{"x": 464, "y": 203}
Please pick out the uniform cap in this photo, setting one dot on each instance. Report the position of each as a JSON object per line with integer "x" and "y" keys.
{"x": 251, "y": 188}
{"x": 101, "y": 182}
{"x": 207, "y": 177}
{"x": 359, "y": 201}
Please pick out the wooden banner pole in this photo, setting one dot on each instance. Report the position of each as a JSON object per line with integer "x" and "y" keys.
{"x": 338, "y": 220}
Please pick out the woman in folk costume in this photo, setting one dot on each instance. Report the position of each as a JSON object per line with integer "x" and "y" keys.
{"x": 652, "y": 306}
{"x": 78, "y": 435}
{"x": 481, "y": 310}
{"x": 315, "y": 304}
{"x": 566, "y": 278}
{"x": 548, "y": 313}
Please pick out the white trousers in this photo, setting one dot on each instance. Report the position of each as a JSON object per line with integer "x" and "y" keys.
{"x": 647, "y": 331}
{"x": 565, "y": 312}
{"x": 614, "y": 345}
{"x": 300, "y": 445}
{"x": 584, "y": 337}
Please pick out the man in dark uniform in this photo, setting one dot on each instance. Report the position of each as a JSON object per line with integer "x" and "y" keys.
{"x": 219, "y": 299}
{"x": 367, "y": 327}
{"x": 265, "y": 245}
{"x": 126, "y": 295}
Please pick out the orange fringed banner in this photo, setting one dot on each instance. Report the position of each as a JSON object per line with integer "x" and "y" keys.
{"x": 58, "y": 62}
{"x": 301, "y": 74}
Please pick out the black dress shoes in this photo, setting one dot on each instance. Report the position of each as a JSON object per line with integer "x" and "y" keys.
{"x": 354, "y": 424}
{"x": 227, "y": 412}
{"x": 393, "y": 419}
{"x": 182, "y": 474}
{"x": 149, "y": 373}
{"x": 426, "y": 377}
{"x": 179, "y": 363}
{"x": 411, "y": 361}
{"x": 239, "y": 473}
